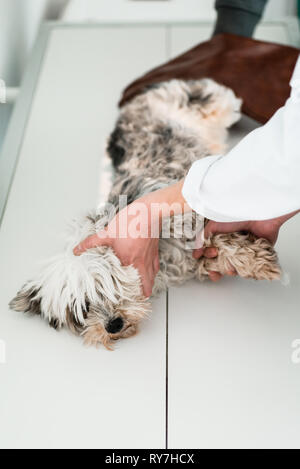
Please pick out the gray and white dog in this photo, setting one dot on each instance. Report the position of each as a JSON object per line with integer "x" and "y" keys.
{"x": 158, "y": 135}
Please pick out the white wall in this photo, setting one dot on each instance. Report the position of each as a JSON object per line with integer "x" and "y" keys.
{"x": 278, "y": 8}
{"x": 19, "y": 23}
{"x": 154, "y": 10}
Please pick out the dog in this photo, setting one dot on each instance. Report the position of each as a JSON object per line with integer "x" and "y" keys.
{"x": 158, "y": 135}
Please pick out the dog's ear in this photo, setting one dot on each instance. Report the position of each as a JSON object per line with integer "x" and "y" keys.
{"x": 26, "y": 301}
{"x": 72, "y": 321}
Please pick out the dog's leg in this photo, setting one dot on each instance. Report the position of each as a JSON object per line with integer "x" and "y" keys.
{"x": 177, "y": 264}
{"x": 249, "y": 256}
{"x": 218, "y": 104}
{"x": 94, "y": 335}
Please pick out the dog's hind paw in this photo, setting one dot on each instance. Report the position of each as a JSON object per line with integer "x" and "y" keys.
{"x": 251, "y": 257}
{"x": 218, "y": 104}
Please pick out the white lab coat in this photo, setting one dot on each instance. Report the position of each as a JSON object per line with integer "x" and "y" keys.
{"x": 260, "y": 178}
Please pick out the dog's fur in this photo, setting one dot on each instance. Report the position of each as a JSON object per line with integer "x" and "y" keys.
{"x": 159, "y": 134}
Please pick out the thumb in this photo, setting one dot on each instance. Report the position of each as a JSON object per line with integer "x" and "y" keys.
{"x": 210, "y": 229}
{"x": 199, "y": 249}
{"x": 147, "y": 279}
{"x": 92, "y": 242}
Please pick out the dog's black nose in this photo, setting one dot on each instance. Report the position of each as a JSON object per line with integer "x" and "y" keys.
{"x": 114, "y": 325}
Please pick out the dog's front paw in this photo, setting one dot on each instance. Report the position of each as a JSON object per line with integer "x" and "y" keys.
{"x": 251, "y": 257}
{"x": 95, "y": 335}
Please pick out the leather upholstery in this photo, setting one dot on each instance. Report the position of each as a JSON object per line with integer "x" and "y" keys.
{"x": 259, "y": 72}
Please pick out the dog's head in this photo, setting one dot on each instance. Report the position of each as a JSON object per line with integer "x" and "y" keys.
{"x": 94, "y": 295}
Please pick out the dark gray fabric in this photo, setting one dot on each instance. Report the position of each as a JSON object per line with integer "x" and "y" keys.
{"x": 238, "y": 17}
{"x": 252, "y": 6}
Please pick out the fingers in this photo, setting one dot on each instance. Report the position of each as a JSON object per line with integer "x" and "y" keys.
{"x": 231, "y": 273}
{"x": 91, "y": 242}
{"x": 211, "y": 253}
{"x": 199, "y": 250}
{"x": 156, "y": 265}
{"x": 214, "y": 227}
{"x": 197, "y": 253}
{"x": 210, "y": 229}
{"x": 147, "y": 279}
{"x": 214, "y": 276}
{"x": 148, "y": 275}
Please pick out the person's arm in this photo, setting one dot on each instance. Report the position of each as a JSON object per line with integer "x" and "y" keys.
{"x": 264, "y": 184}
{"x": 238, "y": 16}
{"x": 141, "y": 251}
{"x": 259, "y": 178}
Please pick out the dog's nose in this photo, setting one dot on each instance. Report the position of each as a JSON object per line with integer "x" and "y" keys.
{"x": 114, "y": 325}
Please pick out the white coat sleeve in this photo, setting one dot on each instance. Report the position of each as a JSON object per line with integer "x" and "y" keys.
{"x": 260, "y": 178}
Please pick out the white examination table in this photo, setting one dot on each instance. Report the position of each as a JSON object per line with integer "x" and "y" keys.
{"x": 212, "y": 368}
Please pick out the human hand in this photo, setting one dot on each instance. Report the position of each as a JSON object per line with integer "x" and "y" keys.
{"x": 132, "y": 248}
{"x": 139, "y": 250}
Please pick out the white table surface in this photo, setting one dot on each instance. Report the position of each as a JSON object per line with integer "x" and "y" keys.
{"x": 232, "y": 382}
{"x": 54, "y": 392}
{"x": 231, "y": 379}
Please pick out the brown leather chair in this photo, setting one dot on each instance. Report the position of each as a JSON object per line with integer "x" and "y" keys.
{"x": 259, "y": 72}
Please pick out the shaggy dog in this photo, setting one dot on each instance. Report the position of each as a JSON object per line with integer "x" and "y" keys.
{"x": 159, "y": 134}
